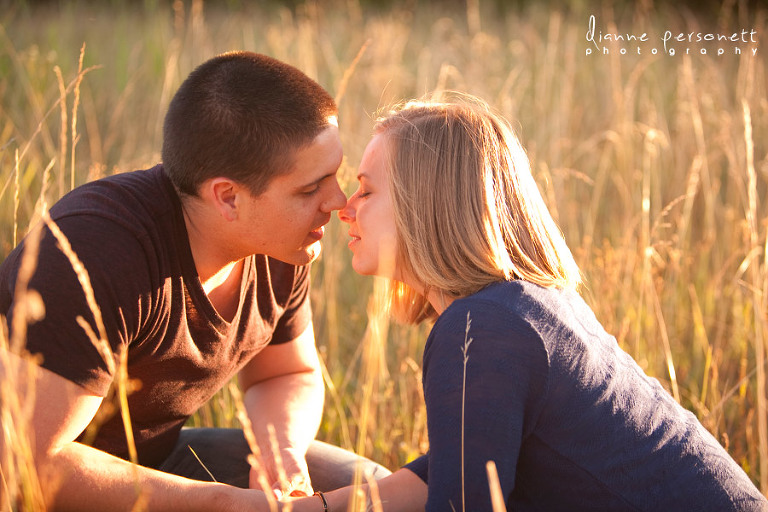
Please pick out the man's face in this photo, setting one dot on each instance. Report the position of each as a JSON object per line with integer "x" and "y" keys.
{"x": 287, "y": 220}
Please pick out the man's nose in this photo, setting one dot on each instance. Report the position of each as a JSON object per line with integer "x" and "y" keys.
{"x": 337, "y": 200}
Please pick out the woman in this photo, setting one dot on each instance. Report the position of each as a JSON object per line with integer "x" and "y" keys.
{"x": 517, "y": 369}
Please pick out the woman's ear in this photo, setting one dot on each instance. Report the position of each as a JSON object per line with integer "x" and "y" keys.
{"x": 222, "y": 194}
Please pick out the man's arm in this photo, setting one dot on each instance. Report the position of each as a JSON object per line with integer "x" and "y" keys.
{"x": 78, "y": 477}
{"x": 283, "y": 387}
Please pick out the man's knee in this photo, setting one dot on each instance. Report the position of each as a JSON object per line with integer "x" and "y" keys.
{"x": 224, "y": 453}
{"x": 210, "y": 454}
{"x": 331, "y": 467}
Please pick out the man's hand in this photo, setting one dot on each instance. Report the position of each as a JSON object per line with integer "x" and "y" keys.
{"x": 290, "y": 480}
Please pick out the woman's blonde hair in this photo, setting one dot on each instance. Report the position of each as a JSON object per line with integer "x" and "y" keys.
{"x": 467, "y": 210}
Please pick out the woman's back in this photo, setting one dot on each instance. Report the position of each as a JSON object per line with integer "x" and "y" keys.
{"x": 570, "y": 420}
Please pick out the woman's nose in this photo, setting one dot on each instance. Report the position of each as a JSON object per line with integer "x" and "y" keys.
{"x": 347, "y": 213}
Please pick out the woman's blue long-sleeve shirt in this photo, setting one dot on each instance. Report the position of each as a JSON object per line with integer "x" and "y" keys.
{"x": 569, "y": 419}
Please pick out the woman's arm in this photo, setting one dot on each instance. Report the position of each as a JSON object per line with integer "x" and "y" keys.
{"x": 402, "y": 491}
{"x": 484, "y": 374}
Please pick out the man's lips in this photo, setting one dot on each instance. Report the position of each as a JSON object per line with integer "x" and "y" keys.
{"x": 317, "y": 233}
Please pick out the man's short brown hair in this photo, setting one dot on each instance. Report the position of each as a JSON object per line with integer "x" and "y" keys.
{"x": 243, "y": 116}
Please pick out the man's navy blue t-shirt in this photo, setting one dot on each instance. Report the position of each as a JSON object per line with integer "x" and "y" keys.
{"x": 536, "y": 385}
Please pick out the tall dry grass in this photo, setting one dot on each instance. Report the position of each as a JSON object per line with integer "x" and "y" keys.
{"x": 655, "y": 166}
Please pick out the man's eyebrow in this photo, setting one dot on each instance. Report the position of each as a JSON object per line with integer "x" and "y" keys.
{"x": 318, "y": 180}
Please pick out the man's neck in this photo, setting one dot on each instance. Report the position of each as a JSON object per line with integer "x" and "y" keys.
{"x": 220, "y": 273}
{"x": 220, "y": 278}
{"x": 223, "y": 289}
{"x": 206, "y": 242}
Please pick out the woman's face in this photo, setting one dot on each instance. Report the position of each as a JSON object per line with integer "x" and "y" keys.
{"x": 370, "y": 215}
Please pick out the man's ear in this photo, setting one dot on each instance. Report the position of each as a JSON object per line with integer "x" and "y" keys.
{"x": 222, "y": 194}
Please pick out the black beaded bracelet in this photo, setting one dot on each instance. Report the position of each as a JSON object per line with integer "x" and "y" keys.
{"x": 325, "y": 503}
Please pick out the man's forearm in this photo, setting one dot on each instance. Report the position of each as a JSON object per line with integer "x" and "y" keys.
{"x": 82, "y": 478}
{"x": 293, "y": 405}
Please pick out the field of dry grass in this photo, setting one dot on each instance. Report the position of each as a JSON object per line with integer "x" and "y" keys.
{"x": 655, "y": 165}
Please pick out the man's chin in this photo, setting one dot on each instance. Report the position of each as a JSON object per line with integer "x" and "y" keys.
{"x": 313, "y": 252}
{"x": 303, "y": 256}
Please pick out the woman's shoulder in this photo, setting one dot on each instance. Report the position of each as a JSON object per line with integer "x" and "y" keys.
{"x": 558, "y": 319}
{"x": 502, "y": 314}
{"x": 523, "y": 300}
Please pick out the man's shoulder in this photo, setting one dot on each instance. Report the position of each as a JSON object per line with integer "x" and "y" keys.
{"x": 122, "y": 196}
{"x": 138, "y": 204}
{"x": 120, "y": 227}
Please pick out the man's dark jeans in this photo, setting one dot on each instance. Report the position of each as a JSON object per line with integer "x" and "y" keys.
{"x": 224, "y": 452}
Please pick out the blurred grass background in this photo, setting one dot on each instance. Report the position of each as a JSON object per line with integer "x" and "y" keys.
{"x": 655, "y": 166}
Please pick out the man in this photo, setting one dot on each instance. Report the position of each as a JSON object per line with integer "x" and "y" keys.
{"x": 200, "y": 270}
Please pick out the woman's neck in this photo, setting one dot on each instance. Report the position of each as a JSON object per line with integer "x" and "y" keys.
{"x": 439, "y": 300}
